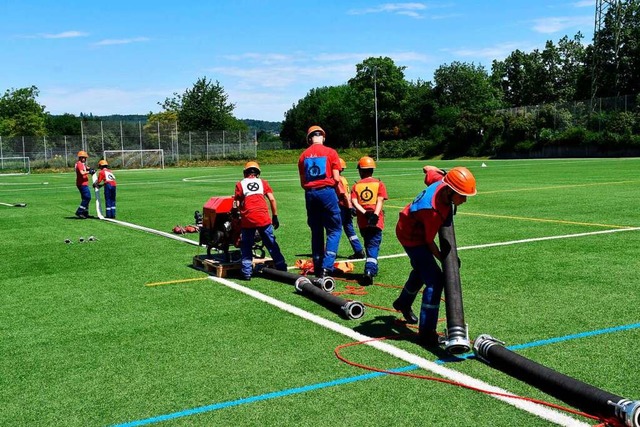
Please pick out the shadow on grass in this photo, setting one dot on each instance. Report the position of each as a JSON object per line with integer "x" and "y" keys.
{"x": 396, "y": 330}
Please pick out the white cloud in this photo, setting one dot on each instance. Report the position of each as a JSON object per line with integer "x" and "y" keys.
{"x": 109, "y": 42}
{"x": 585, "y": 3}
{"x": 101, "y": 101}
{"x": 489, "y": 53}
{"x": 407, "y": 9}
{"x": 556, "y": 24}
{"x": 65, "y": 35}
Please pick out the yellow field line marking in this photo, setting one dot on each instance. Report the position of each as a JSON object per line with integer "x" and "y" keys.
{"x": 524, "y": 218}
{"x": 175, "y": 281}
{"x": 554, "y": 187}
{"x": 556, "y": 221}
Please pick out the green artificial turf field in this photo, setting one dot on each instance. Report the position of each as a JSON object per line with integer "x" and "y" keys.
{"x": 550, "y": 264}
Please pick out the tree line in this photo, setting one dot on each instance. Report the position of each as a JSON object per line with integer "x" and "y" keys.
{"x": 465, "y": 110}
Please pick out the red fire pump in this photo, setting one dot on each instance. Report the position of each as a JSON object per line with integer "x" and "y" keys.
{"x": 221, "y": 227}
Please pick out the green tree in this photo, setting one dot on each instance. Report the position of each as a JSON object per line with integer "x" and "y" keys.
{"x": 619, "y": 52}
{"x": 465, "y": 86}
{"x": 203, "y": 107}
{"x": 65, "y": 124}
{"x": 419, "y": 108}
{"x": 380, "y": 78}
{"x": 21, "y": 114}
{"x": 333, "y": 108}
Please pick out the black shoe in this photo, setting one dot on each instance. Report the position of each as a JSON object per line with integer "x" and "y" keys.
{"x": 367, "y": 279}
{"x": 357, "y": 255}
{"x": 408, "y": 314}
{"x": 429, "y": 338}
{"x": 245, "y": 278}
{"x": 325, "y": 272}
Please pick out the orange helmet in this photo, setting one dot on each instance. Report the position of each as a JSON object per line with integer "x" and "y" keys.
{"x": 252, "y": 165}
{"x": 343, "y": 164}
{"x": 103, "y": 163}
{"x": 461, "y": 180}
{"x": 315, "y": 129}
{"x": 366, "y": 162}
{"x": 82, "y": 153}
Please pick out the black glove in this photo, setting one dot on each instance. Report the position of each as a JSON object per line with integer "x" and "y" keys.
{"x": 235, "y": 213}
{"x": 275, "y": 222}
{"x": 372, "y": 219}
{"x": 92, "y": 171}
{"x": 354, "y": 212}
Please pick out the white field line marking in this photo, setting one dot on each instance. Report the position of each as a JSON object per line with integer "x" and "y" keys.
{"x": 516, "y": 242}
{"x": 533, "y": 408}
{"x": 151, "y": 230}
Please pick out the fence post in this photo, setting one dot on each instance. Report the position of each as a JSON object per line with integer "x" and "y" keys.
{"x": 102, "y": 138}
{"x": 240, "y": 142}
{"x": 223, "y": 153}
{"x": 44, "y": 139}
{"x": 66, "y": 155}
{"x": 190, "y": 146}
{"x": 121, "y": 145}
{"x": 140, "y": 129}
{"x": 1, "y": 155}
{"x": 24, "y": 154}
{"x": 206, "y": 136}
{"x": 255, "y": 143}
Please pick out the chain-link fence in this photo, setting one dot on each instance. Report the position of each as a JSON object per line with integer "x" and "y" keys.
{"x": 97, "y": 137}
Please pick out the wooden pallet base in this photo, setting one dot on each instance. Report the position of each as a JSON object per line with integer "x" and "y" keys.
{"x": 216, "y": 266}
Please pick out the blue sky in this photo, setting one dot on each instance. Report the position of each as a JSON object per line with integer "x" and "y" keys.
{"x": 118, "y": 57}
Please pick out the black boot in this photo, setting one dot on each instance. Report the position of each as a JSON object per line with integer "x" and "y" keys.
{"x": 367, "y": 279}
{"x": 429, "y": 338}
{"x": 358, "y": 255}
{"x": 406, "y": 311}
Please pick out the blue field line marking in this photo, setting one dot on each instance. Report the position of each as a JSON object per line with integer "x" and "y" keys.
{"x": 297, "y": 390}
{"x": 267, "y": 396}
{"x": 547, "y": 341}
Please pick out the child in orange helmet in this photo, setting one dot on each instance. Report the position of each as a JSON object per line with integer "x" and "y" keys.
{"x": 82, "y": 182}
{"x": 416, "y": 230}
{"x": 368, "y": 196}
{"x": 249, "y": 200}
{"x": 107, "y": 179}
{"x": 347, "y": 211}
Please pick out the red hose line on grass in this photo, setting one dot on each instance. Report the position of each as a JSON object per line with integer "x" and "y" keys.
{"x": 454, "y": 383}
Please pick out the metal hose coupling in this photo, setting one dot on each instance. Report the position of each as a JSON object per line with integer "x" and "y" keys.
{"x": 628, "y": 411}
{"x": 457, "y": 340}
{"x": 353, "y": 309}
{"x": 327, "y": 284}
{"x": 301, "y": 282}
{"x": 482, "y": 344}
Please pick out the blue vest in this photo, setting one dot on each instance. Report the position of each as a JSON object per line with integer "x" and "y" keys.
{"x": 426, "y": 198}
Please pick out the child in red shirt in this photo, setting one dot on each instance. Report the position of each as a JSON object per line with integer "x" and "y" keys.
{"x": 416, "y": 230}
{"x": 82, "y": 182}
{"x": 107, "y": 179}
{"x": 368, "y": 196}
{"x": 249, "y": 202}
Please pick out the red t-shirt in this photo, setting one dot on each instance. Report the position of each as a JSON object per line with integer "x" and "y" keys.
{"x": 420, "y": 227}
{"x": 81, "y": 180}
{"x": 105, "y": 175}
{"x": 341, "y": 201}
{"x": 316, "y": 165}
{"x": 250, "y": 194}
{"x": 367, "y": 191}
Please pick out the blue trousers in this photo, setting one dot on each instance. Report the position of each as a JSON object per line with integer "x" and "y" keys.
{"x": 349, "y": 230}
{"x": 425, "y": 271}
{"x": 110, "y": 200}
{"x": 372, "y": 239}
{"x": 323, "y": 213}
{"x": 269, "y": 240}
{"x": 85, "y": 194}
